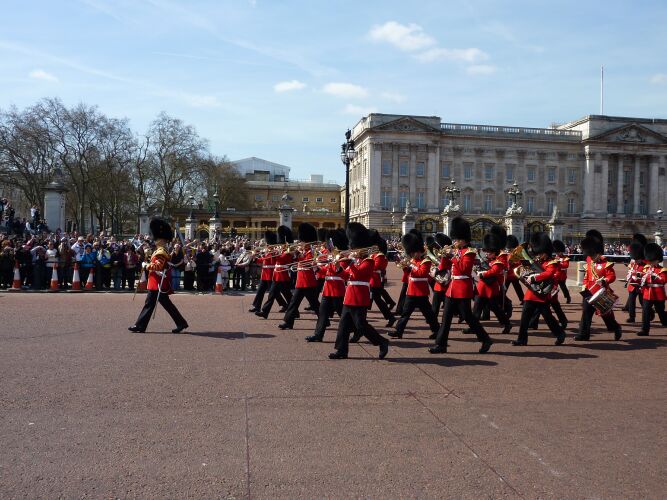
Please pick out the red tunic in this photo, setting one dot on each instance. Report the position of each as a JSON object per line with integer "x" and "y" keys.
{"x": 635, "y": 270}
{"x": 445, "y": 265}
{"x": 282, "y": 263}
{"x": 305, "y": 278}
{"x": 157, "y": 266}
{"x": 461, "y": 284}
{"x": 334, "y": 280}
{"x": 268, "y": 264}
{"x": 496, "y": 272}
{"x": 598, "y": 269}
{"x": 550, "y": 273}
{"x": 420, "y": 269}
{"x": 358, "y": 291}
{"x": 654, "y": 283}
{"x": 509, "y": 267}
{"x": 380, "y": 262}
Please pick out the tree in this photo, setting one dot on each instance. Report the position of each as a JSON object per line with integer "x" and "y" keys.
{"x": 219, "y": 174}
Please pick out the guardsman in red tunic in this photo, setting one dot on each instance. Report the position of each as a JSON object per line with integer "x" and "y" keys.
{"x": 268, "y": 264}
{"x": 334, "y": 287}
{"x": 491, "y": 281}
{"x": 512, "y": 279}
{"x": 306, "y": 282}
{"x": 357, "y": 296}
{"x": 281, "y": 277}
{"x": 653, "y": 287}
{"x": 442, "y": 274}
{"x": 459, "y": 292}
{"x": 404, "y": 290}
{"x": 159, "y": 280}
{"x": 559, "y": 249}
{"x": 377, "y": 280}
{"x": 599, "y": 274}
{"x": 418, "y": 291}
{"x": 634, "y": 278}
{"x": 534, "y": 303}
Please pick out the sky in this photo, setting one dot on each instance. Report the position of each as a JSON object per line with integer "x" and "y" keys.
{"x": 283, "y": 80}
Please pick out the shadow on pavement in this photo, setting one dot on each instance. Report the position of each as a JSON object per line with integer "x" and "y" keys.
{"x": 543, "y": 354}
{"x": 441, "y": 361}
{"x": 625, "y": 344}
{"x": 230, "y": 335}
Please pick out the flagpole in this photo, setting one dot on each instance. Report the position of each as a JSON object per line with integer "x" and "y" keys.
{"x": 602, "y": 90}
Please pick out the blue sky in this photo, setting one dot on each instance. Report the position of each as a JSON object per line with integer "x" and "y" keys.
{"x": 282, "y": 80}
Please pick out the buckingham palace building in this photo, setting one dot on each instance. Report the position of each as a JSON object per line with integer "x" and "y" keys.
{"x": 602, "y": 172}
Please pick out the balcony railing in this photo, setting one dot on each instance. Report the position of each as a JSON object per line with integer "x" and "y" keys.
{"x": 551, "y": 133}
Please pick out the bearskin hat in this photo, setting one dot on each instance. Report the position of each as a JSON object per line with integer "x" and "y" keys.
{"x": 512, "y": 242}
{"x": 541, "y": 243}
{"x": 640, "y": 238}
{"x": 460, "y": 229}
{"x": 430, "y": 242}
{"x": 591, "y": 246}
{"x": 501, "y": 233}
{"x": 307, "y": 233}
{"x": 358, "y": 236}
{"x": 652, "y": 251}
{"x": 322, "y": 233}
{"x": 285, "y": 235}
{"x": 636, "y": 250}
{"x": 594, "y": 233}
{"x": 559, "y": 246}
{"x": 338, "y": 238}
{"x": 412, "y": 243}
{"x": 378, "y": 240}
{"x": 270, "y": 238}
{"x": 492, "y": 243}
{"x": 160, "y": 229}
{"x": 441, "y": 239}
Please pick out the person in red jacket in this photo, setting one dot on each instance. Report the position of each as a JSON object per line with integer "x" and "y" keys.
{"x": 418, "y": 293}
{"x": 268, "y": 264}
{"x": 442, "y": 274}
{"x": 653, "y": 287}
{"x": 281, "y": 277}
{"x": 159, "y": 280}
{"x": 377, "y": 280}
{"x": 459, "y": 292}
{"x": 512, "y": 279}
{"x": 357, "y": 296}
{"x": 559, "y": 249}
{"x": 306, "y": 282}
{"x": 535, "y": 303}
{"x": 635, "y": 273}
{"x": 599, "y": 273}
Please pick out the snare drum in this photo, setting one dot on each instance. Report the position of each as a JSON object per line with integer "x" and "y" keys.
{"x": 603, "y": 300}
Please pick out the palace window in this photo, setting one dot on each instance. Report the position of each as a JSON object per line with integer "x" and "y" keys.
{"x": 420, "y": 199}
{"x": 444, "y": 200}
{"x": 551, "y": 201}
{"x": 508, "y": 201}
{"x": 402, "y": 199}
{"x": 467, "y": 172}
{"x": 488, "y": 203}
{"x": 445, "y": 170}
{"x": 626, "y": 177}
{"x": 530, "y": 204}
{"x": 333, "y": 200}
{"x": 275, "y": 197}
{"x": 386, "y": 167}
{"x": 488, "y": 173}
{"x": 304, "y": 199}
{"x": 551, "y": 174}
{"x": 319, "y": 199}
{"x": 467, "y": 202}
{"x": 386, "y": 199}
{"x": 626, "y": 207}
{"x": 610, "y": 178}
{"x": 419, "y": 170}
{"x": 530, "y": 174}
{"x": 572, "y": 176}
{"x": 403, "y": 168}
{"x": 641, "y": 178}
{"x": 642, "y": 207}
{"x": 509, "y": 173}
{"x": 571, "y": 205}
{"x": 259, "y": 197}
{"x": 610, "y": 206}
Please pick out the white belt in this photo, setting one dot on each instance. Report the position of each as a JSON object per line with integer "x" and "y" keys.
{"x": 281, "y": 266}
{"x": 360, "y": 283}
{"x": 268, "y": 267}
{"x": 378, "y": 271}
{"x": 460, "y": 277}
{"x": 418, "y": 279}
{"x": 653, "y": 285}
{"x": 333, "y": 278}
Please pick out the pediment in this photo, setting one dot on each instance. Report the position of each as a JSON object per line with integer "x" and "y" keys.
{"x": 405, "y": 124}
{"x": 631, "y": 134}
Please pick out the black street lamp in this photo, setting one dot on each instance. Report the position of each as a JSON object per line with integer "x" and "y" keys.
{"x": 515, "y": 193}
{"x": 216, "y": 202}
{"x": 347, "y": 155}
{"x": 452, "y": 193}
{"x": 192, "y": 206}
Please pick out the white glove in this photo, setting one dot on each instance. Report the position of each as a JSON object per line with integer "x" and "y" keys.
{"x": 144, "y": 265}
{"x": 532, "y": 278}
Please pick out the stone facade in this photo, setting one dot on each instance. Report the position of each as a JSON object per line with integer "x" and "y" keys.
{"x": 599, "y": 171}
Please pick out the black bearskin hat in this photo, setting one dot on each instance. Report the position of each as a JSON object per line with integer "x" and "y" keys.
{"x": 512, "y": 242}
{"x": 379, "y": 241}
{"x": 322, "y": 233}
{"x": 358, "y": 236}
{"x": 412, "y": 243}
{"x": 307, "y": 233}
{"x": 270, "y": 238}
{"x": 594, "y": 233}
{"x": 441, "y": 239}
{"x": 285, "y": 235}
{"x": 430, "y": 242}
{"x": 640, "y": 238}
{"x": 652, "y": 251}
{"x": 591, "y": 246}
{"x": 460, "y": 229}
{"x": 338, "y": 238}
{"x": 636, "y": 250}
{"x": 541, "y": 243}
{"x": 501, "y": 233}
{"x": 160, "y": 229}
{"x": 492, "y": 243}
{"x": 559, "y": 246}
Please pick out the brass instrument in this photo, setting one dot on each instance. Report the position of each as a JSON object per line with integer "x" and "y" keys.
{"x": 361, "y": 253}
{"x": 480, "y": 268}
{"x": 403, "y": 260}
{"x": 529, "y": 266}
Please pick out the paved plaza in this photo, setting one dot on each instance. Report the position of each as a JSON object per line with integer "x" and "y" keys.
{"x": 237, "y": 408}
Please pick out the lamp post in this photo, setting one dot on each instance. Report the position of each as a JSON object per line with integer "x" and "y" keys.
{"x": 191, "y": 199}
{"x": 347, "y": 155}
{"x": 658, "y": 230}
{"x": 216, "y": 202}
{"x": 452, "y": 193}
{"x": 515, "y": 193}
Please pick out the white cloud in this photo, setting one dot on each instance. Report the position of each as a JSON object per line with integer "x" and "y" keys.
{"x": 393, "y": 97}
{"x": 287, "y": 86}
{"x": 40, "y": 74}
{"x": 481, "y": 69}
{"x": 408, "y": 37}
{"x": 660, "y": 78}
{"x": 442, "y": 54}
{"x": 345, "y": 90}
{"x": 352, "y": 109}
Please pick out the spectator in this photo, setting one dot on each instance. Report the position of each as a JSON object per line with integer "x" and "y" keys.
{"x": 65, "y": 264}
{"x": 130, "y": 262}
{"x": 117, "y": 266}
{"x": 178, "y": 265}
{"x": 87, "y": 263}
{"x": 189, "y": 270}
{"x": 203, "y": 261}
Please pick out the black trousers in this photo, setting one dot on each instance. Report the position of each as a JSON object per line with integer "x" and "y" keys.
{"x": 587, "y": 313}
{"x": 263, "y": 287}
{"x": 310, "y": 294}
{"x": 328, "y": 305}
{"x": 566, "y": 291}
{"x": 463, "y": 307}
{"x": 556, "y": 308}
{"x": 376, "y": 297}
{"x": 401, "y": 299}
{"x": 659, "y": 306}
{"x": 277, "y": 288}
{"x": 387, "y": 298}
{"x": 493, "y": 304}
{"x": 151, "y": 302}
{"x": 518, "y": 290}
{"x": 632, "y": 301}
{"x": 438, "y": 300}
{"x": 530, "y": 308}
{"x": 353, "y": 318}
{"x": 421, "y": 303}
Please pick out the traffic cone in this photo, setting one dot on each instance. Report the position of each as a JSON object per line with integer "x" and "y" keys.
{"x": 141, "y": 287}
{"x": 54, "y": 279}
{"x": 76, "y": 279}
{"x": 218, "y": 283}
{"x": 90, "y": 282}
{"x": 16, "y": 284}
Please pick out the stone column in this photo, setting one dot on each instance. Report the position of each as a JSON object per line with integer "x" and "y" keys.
{"x": 619, "y": 186}
{"x": 190, "y": 228}
{"x": 555, "y": 226}
{"x": 653, "y": 186}
{"x": 144, "y": 221}
{"x": 54, "y": 203}
{"x": 514, "y": 221}
{"x": 408, "y": 219}
{"x": 636, "y": 195}
{"x": 605, "y": 184}
{"x": 375, "y": 175}
{"x": 589, "y": 171}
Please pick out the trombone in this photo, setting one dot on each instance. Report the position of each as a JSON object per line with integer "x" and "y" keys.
{"x": 347, "y": 254}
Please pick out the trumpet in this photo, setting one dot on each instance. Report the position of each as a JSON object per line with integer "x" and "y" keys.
{"x": 403, "y": 260}
{"x": 346, "y": 254}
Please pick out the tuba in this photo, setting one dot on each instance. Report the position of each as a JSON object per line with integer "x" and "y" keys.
{"x": 528, "y": 266}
